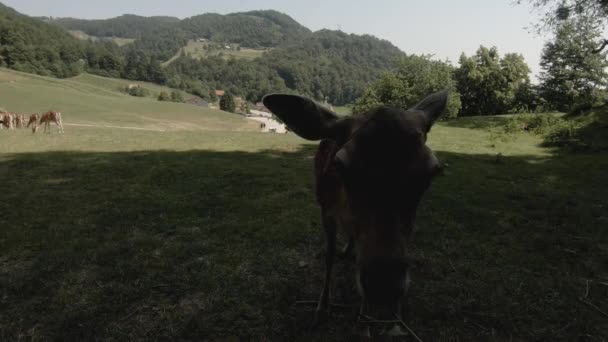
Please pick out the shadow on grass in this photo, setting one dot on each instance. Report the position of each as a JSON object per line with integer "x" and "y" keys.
{"x": 205, "y": 245}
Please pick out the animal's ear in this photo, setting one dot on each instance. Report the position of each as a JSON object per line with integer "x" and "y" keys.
{"x": 303, "y": 116}
{"x": 433, "y": 106}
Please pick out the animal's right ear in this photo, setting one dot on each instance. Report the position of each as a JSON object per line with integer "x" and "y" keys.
{"x": 303, "y": 116}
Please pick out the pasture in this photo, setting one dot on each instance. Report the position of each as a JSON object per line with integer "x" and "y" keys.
{"x": 118, "y": 40}
{"x": 200, "y": 50}
{"x": 114, "y": 235}
{"x": 94, "y": 100}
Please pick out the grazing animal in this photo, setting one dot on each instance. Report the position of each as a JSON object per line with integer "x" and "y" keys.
{"x": 371, "y": 171}
{"x": 49, "y": 117}
{"x": 34, "y": 118}
{"x": 8, "y": 120}
{"x": 19, "y": 120}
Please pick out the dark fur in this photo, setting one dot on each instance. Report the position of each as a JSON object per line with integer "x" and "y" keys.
{"x": 371, "y": 172}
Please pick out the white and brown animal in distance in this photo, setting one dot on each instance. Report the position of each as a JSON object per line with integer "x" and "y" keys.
{"x": 33, "y": 121}
{"x": 371, "y": 171}
{"x": 8, "y": 120}
{"x": 19, "y": 120}
{"x": 49, "y": 117}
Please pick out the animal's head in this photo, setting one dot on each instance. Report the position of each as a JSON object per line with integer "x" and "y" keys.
{"x": 384, "y": 167}
{"x": 33, "y": 122}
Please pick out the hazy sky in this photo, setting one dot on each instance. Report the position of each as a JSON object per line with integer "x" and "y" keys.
{"x": 445, "y": 28}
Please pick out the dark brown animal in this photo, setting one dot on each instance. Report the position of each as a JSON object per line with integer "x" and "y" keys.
{"x": 49, "y": 117}
{"x": 34, "y": 118}
{"x": 371, "y": 172}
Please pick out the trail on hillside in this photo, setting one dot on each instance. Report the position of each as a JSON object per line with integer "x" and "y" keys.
{"x": 120, "y": 127}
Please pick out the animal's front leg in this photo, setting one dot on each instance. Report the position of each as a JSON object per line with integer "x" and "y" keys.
{"x": 329, "y": 225}
{"x": 348, "y": 249}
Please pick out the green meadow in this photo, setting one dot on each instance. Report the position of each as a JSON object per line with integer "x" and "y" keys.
{"x": 208, "y": 231}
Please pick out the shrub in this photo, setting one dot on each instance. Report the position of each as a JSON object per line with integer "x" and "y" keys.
{"x": 176, "y": 96}
{"x": 164, "y": 96}
{"x": 138, "y": 91}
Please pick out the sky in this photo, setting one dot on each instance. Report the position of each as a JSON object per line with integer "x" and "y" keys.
{"x": 444, "y": 28}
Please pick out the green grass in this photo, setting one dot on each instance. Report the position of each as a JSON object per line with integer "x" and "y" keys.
{"x": 121, "y": 235}
{"x": 343, "y": 110}
{"x": 118, "y": 40}
{"x": 95, "y": 100}
{"x": 200, "y": 50}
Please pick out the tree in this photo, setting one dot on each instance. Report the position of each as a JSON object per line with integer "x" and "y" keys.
{"x": 488, "y": 84}
{"x": 557, "y": 11}
{"x": 415, "y": 78}
{"x": 571, "y": 75}
{"x": 227, "y": 103}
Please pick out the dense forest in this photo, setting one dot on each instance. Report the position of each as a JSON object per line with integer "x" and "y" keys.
{"x": 327, "y": 65}
{"x": 26, "y": 44}
{"x": 249, "y": 29}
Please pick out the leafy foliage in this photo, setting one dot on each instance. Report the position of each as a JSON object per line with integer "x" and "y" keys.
{"x": 415, "y": 78}
{"x": 26, "y": 44}
{"x": 557, "y": 11}
{"x": 329, "y": 66}
{"x": 490, "y": 85}
{"x": 572, "y": 76}
{"x": 249, "y": 29}
{"x": 176, "y": 96}
{"x": 164, "y": 96}
{"x": 126, "y": 26}
{"x": 227, "y": 103}
{"x": 138, "y": 91}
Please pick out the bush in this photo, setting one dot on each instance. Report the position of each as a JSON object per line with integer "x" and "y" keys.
{"x": 176, "y": 96}
{"x": 539, "y": 123}
{"x": 136, "y": 91}
{"x": 164, "y": 96}
{"x": 227, "y": 103}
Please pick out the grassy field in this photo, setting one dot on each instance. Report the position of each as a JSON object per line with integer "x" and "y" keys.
{"x": 202, "y": 50}
{"x": 343, "y": 110}
{"x": 94, "y": 100}
{"x": 119, "y": 41}
{"x": 132, "y": 235}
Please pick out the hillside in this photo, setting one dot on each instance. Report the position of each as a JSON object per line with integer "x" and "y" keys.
{"x": 30, "y": 45}
{"x": 204, "y": 49}
{"x": 272, "y": 53}
{"x": 125, "y": 26}
{"x": 97, "y": 101}
{"x": 119, "y": 41}
{"x": 327, "y": 65}
{"x": 250, "y": 29}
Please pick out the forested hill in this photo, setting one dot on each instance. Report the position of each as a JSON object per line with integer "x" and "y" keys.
{"x": 327, "y": 65}
{"x": 249, "y": 29}
{"x": 29, "y": 45}
{"x": 125, "y": 26}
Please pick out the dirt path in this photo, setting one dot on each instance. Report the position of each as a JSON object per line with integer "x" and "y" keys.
{"x": 270, "y": 124}
{"x": 121, "y": 127}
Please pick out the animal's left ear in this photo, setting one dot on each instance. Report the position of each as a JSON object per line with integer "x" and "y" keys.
{"x": 433, "y": 106}
{"x": 303, "y": 116}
